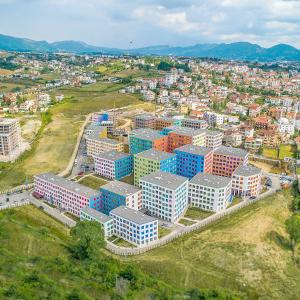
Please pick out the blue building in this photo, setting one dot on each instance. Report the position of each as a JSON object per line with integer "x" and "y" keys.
{"x": 113, "y": 164}
{"x": 192, "y": 159}
{"x": 117, "y": 193}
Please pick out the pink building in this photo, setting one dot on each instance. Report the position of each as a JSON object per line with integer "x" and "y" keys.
{"x": 66, "y": 194}
{"x": 227, "y": 159}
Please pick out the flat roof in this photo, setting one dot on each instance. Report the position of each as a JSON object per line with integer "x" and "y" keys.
{"x": 146, "y": 134}
{"x": 247, "y": 170}
{"x": 103, "y": 218}
{"x": 7, "y": 121}
{"x": 194, "y": 149}
{"x": 112, "y": 155}
{"x": 210, "y": 180}
{"x": 145, "y": 116}
{"x": 120, "y": 188}
{"x": 155, "y": 154}
{"x": 165, "y": 179}
{"x": 69, "y": 185}
{"x": 132, "y": 215}
{"x": 193, "y": 120}
{"x": 96, "y": 137}
{"x": 95, "y": 134}
{"x": 186, "y": 130}
{"x": 223, "y": 150}
{"x": 213, "y": 132}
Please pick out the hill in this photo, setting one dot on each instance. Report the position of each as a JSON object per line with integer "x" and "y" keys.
{"x": 232, "y": 51}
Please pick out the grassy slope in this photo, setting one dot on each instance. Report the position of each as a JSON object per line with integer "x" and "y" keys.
{"x": 246, "y": 252}
{"x": 59, "y": 138}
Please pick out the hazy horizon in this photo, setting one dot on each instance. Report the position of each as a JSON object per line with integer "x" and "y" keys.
{"x": 142, "y": 23}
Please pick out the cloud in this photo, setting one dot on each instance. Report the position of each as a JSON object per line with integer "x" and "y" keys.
{"x": 147, "y": 22}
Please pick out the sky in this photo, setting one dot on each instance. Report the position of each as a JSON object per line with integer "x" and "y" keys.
{"x": 114, "y": 23}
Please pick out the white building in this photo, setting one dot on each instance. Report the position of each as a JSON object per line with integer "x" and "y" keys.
{"x": 165, "y": 195}
{"x": 285, "y": 126}
{"x": 246, "y": 181}
{"x": 133, "y": 226}
{"x": 91, "y": 214}
{"x": 210, "y": 192}
{"x": 213, "y": 138}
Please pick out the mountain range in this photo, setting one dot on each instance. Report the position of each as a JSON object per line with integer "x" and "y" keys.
{"x": 232, "y": 51}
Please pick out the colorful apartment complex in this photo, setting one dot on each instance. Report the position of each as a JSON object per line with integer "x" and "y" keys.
{"x": 144, "y": 139}
{"x": 113, "y": 164}
{"x": 210, "y": 192}
{"x": 133, "y": 226}
{"x": 97, "y": 131}
{"x": 227, "y": 159}
{"x": 90, "y": 214}
{"x": 96, "y": 144}
{"x": 152, "y": 160}
{"x": 117, "y": 193}
{"x": 161, "y": 123}
{"x": 194, "y": 123}
{"x": 192, "y": 159}
{"x": 65, "y": 194}
{"x": 144, "y": 121}
{"x": 180, "y": 136}
{"x": 165, "y": 195}
{"x": 10, "y": 136}
{"x": 246, "y": 181}
{"x": 213, "y": 138}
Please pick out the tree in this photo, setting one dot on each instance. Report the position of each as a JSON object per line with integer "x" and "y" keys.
{"x": 88, "y": 239}
{"x": 292, "y": 225}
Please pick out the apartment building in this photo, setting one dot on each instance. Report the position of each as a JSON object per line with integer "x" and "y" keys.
{"x": 246, "y": 181}
{"x": 227, "y": 159}
{"x": 180, "y": 136}
{"x": 65, "y": 194}
{"x": 213, "y": 119}
{"x": 161, "y": 123}
{"x": 96, "y": 144}
{"x": 152, "y": 160}
{"x": 145, "y": 139}
{"x": 10, "y": 136}
{"x": 165, "y": 195}
{"x": 133, "y": 226}
{"x": 194, "y": 123}
{"x": 193, "y": 159}
{"x": 94, "y": 128}
{"x": 213, "y": 138}
{"x": 144, "y": 121}
{"x": 90, "y": 214}
{"x": 210, "y": 192}
{"x": 117, "y": 193}
{"x": 113, "y": 164}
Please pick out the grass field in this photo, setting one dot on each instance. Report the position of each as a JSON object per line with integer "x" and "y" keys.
{"x": 197, "y": 213}
{"x": 270, "y": 153}
{"x": 284, "y": 151}
{"x": 92, "y": 182}
{"x": 246, "y": 252}
{"x": 186, "y": 222}
{"x": 58, "y": 139}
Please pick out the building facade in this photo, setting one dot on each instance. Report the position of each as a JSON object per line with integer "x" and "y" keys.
{"x": 10, "y": 136}
{"x": 144, "y": 121}
{"x": 210, "y": 192}
{"x": 144, "y": 139}
{"x": 117, "y": 193}
{"x": 152, "y": 160}
{"x": 113, "y": 164}
{"x": 213, "y": 138}
{"x": 227, "y": 159}
{"x": 246, "y": 181}
{"x": 192, "y": 159}
{"x": 65, "y": 194}
{"x": 194, "y": 123}
{"x": 165, "y": 195}
{"x": 90, "y": 214}
{"x": 133, "y": 226}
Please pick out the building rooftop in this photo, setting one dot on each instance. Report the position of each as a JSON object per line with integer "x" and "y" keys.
{"x": 96, "y": 131}
{"x": 194, "y": 121}
{"x": 247, "y": 170}
{"x": 210, "y": 180}
{"x": 132, "y": 215}
{"x": 95, "y": 137}
{"x": 213, "y": 132}
{"x": 120, "y": 188}
{"x": 112, "y": 155}
{"x": 223, "y": 150}
{"x": 146, "y": 134}
{"x": 155, "y": 154}
{"x": 165, "y": 179}
{"x": 69, "y": 185}
{"x": 145, "y": 117}
{"x": 185, "y": 130}
{"x": 193, "y": 149}
{"x": 4, "y": 121}
{"x": 99, "y": 216}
